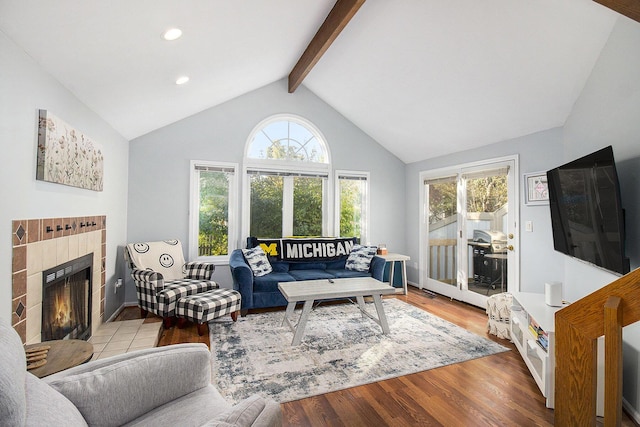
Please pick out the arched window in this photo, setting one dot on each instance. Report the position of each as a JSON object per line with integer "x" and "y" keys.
{"x": 287, "y": 165}
{"x": 287, "y": 138}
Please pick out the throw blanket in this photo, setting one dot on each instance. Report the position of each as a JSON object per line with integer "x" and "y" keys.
{"x": 499, "y": 312}
{"x": 304, "y": 249}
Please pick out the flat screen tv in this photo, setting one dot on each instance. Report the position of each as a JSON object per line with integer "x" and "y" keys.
{"x": 586, "y": 211}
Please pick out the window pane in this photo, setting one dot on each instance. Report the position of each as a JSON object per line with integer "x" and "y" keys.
{"x": 259, "y": 146}
{"x": 307, "y": 206}
{"x": 299, "y": 133}
{"x": 443, "y": 226}
{"x": 287, "y": 140}
{"x": 277, "y": 133}
{"x": 486, "y": 194}
{"x": 487, "y": 199}
{"x": 277, "y": 130}
{"x": 303, "y": 144}
{"x": 443, "y": 203}
{"x": 352, "y": 205}
{"x": 213, "y": 221}
{"x": 266, "y": 206}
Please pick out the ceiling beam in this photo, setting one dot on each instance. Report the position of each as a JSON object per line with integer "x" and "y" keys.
{"x": 334, "y": 23}
{"x": 628, "y": 8}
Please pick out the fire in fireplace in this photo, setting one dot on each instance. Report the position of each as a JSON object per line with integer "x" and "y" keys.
{"x": 66, "y": 300}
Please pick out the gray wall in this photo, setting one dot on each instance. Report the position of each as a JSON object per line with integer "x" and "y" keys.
{"x": 608, "y": 113}
{"x": 159, "y": 164}
{"x": 25, "y": 88}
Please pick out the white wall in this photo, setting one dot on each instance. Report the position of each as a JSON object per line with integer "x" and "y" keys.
{"x": 159, "y": 164}
{"x": 25, "y": 88}
{"x": 608, "y": 113}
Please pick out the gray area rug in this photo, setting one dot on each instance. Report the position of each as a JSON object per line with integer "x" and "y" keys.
{"x": 340, "y": 349}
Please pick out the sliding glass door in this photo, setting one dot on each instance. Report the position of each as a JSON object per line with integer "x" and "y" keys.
{"x": 468, "y": 237}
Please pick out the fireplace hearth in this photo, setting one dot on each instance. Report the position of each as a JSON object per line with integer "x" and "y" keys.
{"x": 66, "y": 300}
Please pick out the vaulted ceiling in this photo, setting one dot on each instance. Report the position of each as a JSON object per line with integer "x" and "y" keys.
{"x": 424, "y": 78}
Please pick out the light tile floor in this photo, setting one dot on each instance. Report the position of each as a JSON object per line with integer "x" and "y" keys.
{"x": 120, "y": 337}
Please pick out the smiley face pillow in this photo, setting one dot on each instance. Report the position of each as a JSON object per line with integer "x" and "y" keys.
{"x": 165, "y": 257}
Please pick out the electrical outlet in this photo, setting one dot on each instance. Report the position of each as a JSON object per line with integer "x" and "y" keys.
{"x": 118, "y": 284}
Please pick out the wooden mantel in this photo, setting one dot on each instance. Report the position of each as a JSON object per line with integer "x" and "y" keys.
{"x": 578, "y": 326}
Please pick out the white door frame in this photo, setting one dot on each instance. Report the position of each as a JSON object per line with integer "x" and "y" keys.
{"x": 459, "y": 292}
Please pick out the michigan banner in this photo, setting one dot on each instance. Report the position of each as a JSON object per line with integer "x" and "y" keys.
{"x": 316, "y": 249}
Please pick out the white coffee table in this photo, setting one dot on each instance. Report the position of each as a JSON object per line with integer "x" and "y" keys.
{"x": 313, "y": 290}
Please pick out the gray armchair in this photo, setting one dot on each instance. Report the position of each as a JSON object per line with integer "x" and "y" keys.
{"x": 165, "y": 386}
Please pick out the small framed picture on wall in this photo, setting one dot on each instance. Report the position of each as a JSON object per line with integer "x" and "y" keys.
{"x": 536, "y": 188}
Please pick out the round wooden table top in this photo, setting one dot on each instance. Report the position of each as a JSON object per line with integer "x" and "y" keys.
{"x": 61, "y": 355}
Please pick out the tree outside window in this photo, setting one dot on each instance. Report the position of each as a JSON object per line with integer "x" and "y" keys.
{"x": 486, "y": 194}
{"x": 212, "y": 223}
{"x": 213, "y": 232}
{"x": 443, "y": 201}
{"x": 266, "y": 205}
{"x": 352, "y": 199}
{"x": 271, "y": 194}
{"x": 307, "y": 206}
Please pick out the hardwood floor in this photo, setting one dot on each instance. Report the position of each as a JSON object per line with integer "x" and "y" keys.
{"x": 490, "y": 391}
{"x": 495, "y": 390}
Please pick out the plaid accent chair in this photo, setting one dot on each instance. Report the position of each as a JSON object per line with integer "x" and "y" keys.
{"x": 162, "y": 276}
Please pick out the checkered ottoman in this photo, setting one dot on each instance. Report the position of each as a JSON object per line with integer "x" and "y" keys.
{"x": 206, "y": 306}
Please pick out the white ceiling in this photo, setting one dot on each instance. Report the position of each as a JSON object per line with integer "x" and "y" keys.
{"x": 424, "y": 78}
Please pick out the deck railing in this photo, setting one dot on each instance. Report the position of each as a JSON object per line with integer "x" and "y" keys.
{"x": 442, "y": 260}
{"x": 208, "y": 246}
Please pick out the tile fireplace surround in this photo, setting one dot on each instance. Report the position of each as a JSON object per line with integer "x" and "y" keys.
{"x": 40, "y": 244}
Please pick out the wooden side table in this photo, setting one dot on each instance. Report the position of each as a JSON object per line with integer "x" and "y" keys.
{"x": 62, "y": 354}
{"x": 392, "y": 258}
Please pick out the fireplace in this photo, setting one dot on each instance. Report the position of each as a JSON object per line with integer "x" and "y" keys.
{"x": 66, "y": 300}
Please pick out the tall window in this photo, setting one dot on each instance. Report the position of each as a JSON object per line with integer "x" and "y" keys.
{"x": 213, "y": 196}
{"x": 287, "y": 179}
{"x": 266, "y": 204}
{"x": 286, "y": 204}
{"x": 352, "y": 203}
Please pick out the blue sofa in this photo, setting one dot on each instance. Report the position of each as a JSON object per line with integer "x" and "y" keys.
{"x": 262, "y": 292}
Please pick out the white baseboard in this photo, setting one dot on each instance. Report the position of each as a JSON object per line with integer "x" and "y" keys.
{"x": 633, "y": 412}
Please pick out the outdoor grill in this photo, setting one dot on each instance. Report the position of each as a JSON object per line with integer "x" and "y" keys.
{"x": 488, "y": 270}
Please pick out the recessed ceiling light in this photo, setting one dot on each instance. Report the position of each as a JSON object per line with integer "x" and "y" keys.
{"x": 182, "y": 80}
{"x": 172, "y": 34}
